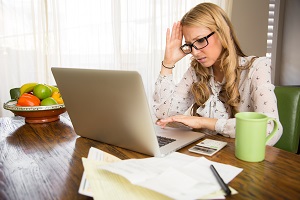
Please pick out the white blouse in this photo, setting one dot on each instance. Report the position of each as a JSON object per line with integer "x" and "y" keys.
{"x": 256, "y": 95}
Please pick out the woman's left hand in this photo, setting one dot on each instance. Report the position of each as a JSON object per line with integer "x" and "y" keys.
{"x": 191, "y": 121}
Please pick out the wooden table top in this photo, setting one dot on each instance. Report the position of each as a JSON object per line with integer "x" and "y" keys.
{"x": 43, "y": 161}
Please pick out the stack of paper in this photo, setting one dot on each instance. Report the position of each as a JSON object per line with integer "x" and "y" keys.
{"x": 102, "y": 184}
{"x": 94, "y": 155}
{"x": 176, "y": 176}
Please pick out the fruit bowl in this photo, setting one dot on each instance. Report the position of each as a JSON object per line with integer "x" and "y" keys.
{"x": 36, "y": 114}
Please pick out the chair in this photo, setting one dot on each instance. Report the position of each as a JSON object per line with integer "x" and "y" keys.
{"x": 288, "y": 102}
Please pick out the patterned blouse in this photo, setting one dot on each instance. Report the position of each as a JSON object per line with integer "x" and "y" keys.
{"x": 256, "y": 94}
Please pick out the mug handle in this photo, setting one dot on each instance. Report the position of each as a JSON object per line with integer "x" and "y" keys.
{"x": 274, "y": 129}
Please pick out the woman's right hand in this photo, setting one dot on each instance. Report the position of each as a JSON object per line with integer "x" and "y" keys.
{"x": 173, "y": 52}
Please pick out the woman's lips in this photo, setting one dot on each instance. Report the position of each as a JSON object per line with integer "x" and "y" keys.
{"x": 201, "y": 60}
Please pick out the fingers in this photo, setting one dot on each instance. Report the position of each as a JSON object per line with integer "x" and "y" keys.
{"x": 173, "y": 52}
{"x": 167, "y": 36}
{"x": 180, "y": 32}
{"x": 176, "y": 31}
{"x": 173, "y": 31}
{"x": 165, "y": 121}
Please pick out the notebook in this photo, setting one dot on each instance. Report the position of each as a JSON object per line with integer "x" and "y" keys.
{"x": 111, "y": 106}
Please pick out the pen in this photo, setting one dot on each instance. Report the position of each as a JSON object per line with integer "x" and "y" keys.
{"x": 223, "y": 185}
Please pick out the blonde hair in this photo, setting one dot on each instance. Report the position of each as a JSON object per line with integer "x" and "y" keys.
{"x": 213, "y": 17}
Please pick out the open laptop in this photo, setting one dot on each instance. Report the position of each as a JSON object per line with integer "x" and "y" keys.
{"x": 111, "y": 106}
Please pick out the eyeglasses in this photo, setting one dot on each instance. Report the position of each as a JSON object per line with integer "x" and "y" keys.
{"x": 198, "y": 44}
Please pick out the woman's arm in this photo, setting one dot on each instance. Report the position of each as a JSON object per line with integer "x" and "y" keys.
{"x": 173, "y": 52}
{"x": 191, "y": 121}
{"x": 170, "y": 99}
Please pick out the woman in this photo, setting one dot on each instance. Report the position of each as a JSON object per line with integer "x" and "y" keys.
{"x": 221, "y": 80}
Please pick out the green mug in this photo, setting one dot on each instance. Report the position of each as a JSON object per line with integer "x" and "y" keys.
{"x": 251, "y": 135}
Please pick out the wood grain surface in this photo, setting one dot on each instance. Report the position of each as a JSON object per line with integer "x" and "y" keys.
{"x": 43, "y": 161}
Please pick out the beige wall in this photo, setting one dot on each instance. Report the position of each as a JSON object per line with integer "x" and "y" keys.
{"x": 250, "y": 21}
{"x": 289, "y": 63}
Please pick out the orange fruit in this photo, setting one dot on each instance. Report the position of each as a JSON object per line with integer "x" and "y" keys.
{"x": 57, "y": 97}
{"x": 42, "y": 91}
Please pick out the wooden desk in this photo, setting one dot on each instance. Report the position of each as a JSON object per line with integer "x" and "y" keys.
{"x": 43, "y": 161}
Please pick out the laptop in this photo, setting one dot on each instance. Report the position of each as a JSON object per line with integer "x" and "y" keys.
{"x": 111, "y": 106}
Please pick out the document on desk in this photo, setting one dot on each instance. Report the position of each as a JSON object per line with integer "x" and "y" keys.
{"x": 152, "y": 178}
{"x": 102, "y": 184}
{"x": 96, "y": 155}
{"x": 177, "y": 175}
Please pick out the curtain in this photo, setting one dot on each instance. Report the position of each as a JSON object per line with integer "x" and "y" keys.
{"x": 36, "y": 35}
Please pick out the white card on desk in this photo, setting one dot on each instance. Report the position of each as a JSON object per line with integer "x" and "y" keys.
{"x": 208, "y": 147}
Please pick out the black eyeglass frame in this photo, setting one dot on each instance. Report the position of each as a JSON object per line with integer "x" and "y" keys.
{"x": 192, "y": 45}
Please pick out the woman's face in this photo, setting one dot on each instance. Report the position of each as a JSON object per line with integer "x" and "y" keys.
{"x": 209, "y": 55}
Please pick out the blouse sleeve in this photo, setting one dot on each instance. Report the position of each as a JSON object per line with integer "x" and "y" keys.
{"x": 171, "y": 99}
{"x": 257, "y": 94}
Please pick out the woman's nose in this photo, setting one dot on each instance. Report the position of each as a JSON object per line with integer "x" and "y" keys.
{"x": 195, "y": 51}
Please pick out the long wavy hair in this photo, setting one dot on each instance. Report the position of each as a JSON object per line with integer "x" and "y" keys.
{"x": 213, "y": 17}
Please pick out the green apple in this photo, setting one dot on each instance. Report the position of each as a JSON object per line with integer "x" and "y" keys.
{"x": 49, "y": 101}
{"x": 42, "y": 91}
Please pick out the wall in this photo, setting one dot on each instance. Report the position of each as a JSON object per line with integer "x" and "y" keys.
{"x": 250, "y": 20}
{"x": 289, "y": 70}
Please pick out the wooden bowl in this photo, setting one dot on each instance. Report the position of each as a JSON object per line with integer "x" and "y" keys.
{"x": 36, "y": 114}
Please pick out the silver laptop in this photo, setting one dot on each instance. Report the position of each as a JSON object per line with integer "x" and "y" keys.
{"x": 111, "y": 106}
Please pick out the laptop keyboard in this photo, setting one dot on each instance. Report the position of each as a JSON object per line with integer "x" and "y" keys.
{"x": 162, "y": 141}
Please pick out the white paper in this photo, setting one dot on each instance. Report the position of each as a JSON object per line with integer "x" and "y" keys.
{"x": 97, "y": 155}
{"x": 177, "y": 175}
